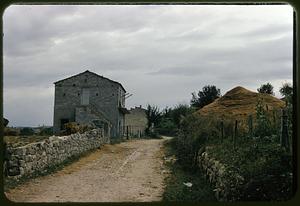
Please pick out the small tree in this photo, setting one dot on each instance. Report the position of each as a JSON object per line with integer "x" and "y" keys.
{"x": 180, "y": 111}
{"x": 153, "y": 116}
{"x": 5, "y": 122}
{"x": 26, "y": 131}
{"x": 266, "y": 89}
{"x": 263, "y": 127}
{"x": 208, "y": 94}
{"x": 287, "y": 92}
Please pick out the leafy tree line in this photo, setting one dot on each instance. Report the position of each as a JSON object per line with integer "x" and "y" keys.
{"x": 168, "y": 120}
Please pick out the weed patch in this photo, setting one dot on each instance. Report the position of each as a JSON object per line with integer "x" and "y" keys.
{"x": 177, "y": 191}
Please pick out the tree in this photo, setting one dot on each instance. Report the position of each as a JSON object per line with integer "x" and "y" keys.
{"x": 286, "y": 90}
{"x": 153, "y": 115}
{"x": 5, "y": 122}
{"x": 180, "y": 111}
{"x": 208, "y": 94}
{"x": 266, "y": 89}
{"x": 263, "y": 127}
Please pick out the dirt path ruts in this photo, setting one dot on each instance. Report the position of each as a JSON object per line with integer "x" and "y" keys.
{"x": 126, "y": 172}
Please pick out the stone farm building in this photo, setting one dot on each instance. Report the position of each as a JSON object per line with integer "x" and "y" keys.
{"x": 135, "y": 122}
{"x": 88, "y": 98}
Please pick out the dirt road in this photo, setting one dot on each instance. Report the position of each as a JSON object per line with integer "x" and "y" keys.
{"x": 125, "y": 172}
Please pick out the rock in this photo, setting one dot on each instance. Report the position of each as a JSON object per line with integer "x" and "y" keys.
{"x": 188, "y": 184}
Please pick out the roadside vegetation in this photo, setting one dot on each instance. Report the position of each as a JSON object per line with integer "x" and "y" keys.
{"x": 246, "y": 135}
{"x": 185, "y": 185}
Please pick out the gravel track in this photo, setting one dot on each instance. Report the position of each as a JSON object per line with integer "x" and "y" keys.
{"x": 132, "y": 171}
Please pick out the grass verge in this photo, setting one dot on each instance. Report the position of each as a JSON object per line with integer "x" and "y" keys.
{"x": 175, "y": 190}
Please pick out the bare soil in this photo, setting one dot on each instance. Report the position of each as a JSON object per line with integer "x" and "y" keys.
{"x": 131, "y": 171}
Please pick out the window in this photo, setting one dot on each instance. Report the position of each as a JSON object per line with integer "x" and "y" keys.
{"x": 64, "y": 94}
{"x": 96, "y": 94}
{"x": 74, "y": 85}
{"x": 85, "y": 98}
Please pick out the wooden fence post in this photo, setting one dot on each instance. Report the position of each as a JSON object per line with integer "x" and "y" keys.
{"x": 235, "y": 134}
{"x": 284, "y": 130}
{"x": 250, "y": 125}
{"x": 222, "y": 131}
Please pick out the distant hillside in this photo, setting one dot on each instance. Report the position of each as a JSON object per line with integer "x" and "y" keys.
{"x": 239, "y": 103}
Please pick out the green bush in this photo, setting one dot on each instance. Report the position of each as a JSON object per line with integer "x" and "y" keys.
{"x": 26, "y": 131}
{"x": 46, "y": 131}
{"x": 262, "y": 162}
{"x": 167, "y": 127}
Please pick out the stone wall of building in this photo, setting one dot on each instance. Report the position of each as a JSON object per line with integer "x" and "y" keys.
{"x": 39, "y": 156}
{"x": 226, "y": 181}
{"x": 136, "y": 122}
{"x": 105, "y": 96}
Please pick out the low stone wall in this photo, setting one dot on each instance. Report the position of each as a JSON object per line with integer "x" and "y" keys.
{"x": 37, "y": 157}
{"x": 225, "y": 180}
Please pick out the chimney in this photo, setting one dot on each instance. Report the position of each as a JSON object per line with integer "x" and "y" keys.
{"x": 140, "y": 106}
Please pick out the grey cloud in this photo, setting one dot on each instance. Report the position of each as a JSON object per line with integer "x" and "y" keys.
{"x": 151, "y": 50}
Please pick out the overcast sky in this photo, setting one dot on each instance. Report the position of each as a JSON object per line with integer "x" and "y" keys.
{"x": 160, "y": 54}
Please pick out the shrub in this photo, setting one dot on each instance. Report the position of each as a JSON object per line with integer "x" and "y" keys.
{"x": 26, "y": 131}
{"x": 11, "y": 132}
{"x": 46, "y": 131}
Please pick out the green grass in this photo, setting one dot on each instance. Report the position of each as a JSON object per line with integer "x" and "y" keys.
{"x": 175, "y": 189}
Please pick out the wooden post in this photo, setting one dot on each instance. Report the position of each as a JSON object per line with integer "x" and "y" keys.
{"x": 232, "y": 133}
{"x": 250, "y": 125}
{"x": 235, "y": 134}
{"x": 284, "y": 130}
{"x": 274, "y": 120}
{"x": 222, "y": 130}
{"x": 127, "y": 132}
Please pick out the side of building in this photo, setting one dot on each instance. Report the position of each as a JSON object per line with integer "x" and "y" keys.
{"x": 135, "y": 122}
{"x": 88, "y": 98}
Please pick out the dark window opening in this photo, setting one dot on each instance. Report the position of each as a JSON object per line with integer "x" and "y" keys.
{"x": 63, "y": 122}
{"x": 78, "y": 94}
{"x": 113, "y": 94}
{"x": 74, "y": 85}
{"x": 85, "y": 80}
{"x": 96, "y": 94}
{"x": 64, "y": 94}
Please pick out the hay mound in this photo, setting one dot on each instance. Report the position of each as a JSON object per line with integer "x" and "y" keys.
{"x": 239, "y": 103}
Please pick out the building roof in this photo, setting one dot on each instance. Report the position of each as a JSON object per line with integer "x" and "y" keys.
{"x": 87, "y": 71}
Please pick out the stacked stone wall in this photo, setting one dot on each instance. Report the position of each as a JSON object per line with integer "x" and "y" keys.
{"x": 226, "y": 181}
{"x": 38, "y": 157}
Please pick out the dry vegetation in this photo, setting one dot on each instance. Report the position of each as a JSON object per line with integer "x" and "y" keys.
{"x": 239, "y": 103}
{"x": 18, "y": 141}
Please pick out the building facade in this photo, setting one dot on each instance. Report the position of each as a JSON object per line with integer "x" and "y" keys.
{"x": 136, "y": 122}
{"x": 91, "y": 99}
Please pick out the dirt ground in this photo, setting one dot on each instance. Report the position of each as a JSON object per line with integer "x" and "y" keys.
{"x": 131, "y": 171}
